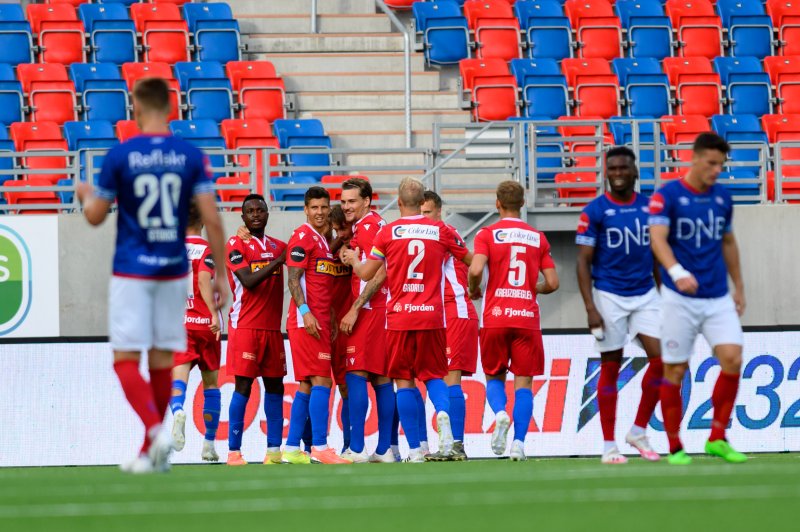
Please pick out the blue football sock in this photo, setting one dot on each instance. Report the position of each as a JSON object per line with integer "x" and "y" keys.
{"x": 422, "y": 416}
{"x": 308, "y": 435}
{"x": 273, "y": 409}
{"x": 407, "y": 408}
{"x": 319, "y": 411}
{"x": 297, "y": 419}
{"x": 438, "y": 394}
{"x": 458, "y": 411}
{"x": 177, "y": 399}
{"x": 496, "y": 394}
{"x": 345, "y": 423}
{"x": 236, "y": 421}
{"x": 384, "y": 397}
{"x": 212, "y": 405}
{"x": 395, "y": 426}
{"x": 523, "y": 411}
{"x": 359, "y": 403}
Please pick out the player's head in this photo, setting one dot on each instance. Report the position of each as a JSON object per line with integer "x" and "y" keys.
{"x": 255, "y": 214}
{"x": 339, "y": 223}
{"x": 709, "y": 153}
{"x": 621, "y": 171}
{"x": 432, "y": 208}
{"x": 317, "y": 207}
{"x": 510, "y": 197}
{"x": 356, "y": 198}
{"x": 194, "y": 222}
{"x": 151, "y": 102}
{"x": 410, "y": 195}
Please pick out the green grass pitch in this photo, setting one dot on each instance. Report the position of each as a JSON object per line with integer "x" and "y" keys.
{"x": 537, "y": 495}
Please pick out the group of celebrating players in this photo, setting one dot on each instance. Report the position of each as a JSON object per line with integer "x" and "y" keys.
{"x": 388, "y": 304}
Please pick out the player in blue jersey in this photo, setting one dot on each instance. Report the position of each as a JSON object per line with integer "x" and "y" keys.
{"x": 614, "y": 252}
{"x": 153, "y": 178}
{"x": 692, "y": 238}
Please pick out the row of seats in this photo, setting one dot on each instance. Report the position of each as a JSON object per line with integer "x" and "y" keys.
{"x": 105, "y": 33}
{"x": 601, "y": 28}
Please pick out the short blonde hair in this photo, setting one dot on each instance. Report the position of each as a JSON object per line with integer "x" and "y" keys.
{"x": 411, "y": 192}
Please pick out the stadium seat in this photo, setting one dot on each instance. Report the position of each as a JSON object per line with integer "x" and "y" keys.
{"x": 216, "y": 33}
{"x": 235, "y": 195}
{"x": 645, "y": 87}
{"x": 544, "y": 88}
{"x": 12, "y": 102}
{"x": 208, "y": 92}
{"x": 292, "y": 194}
{"x": 595, "y": 87}
{"x": 576, "y": 195}
{"x": 165, "y": 35}
{"x": 649, "y": 31}
{"x": 749, "y": 28}
{"x": 548, "y": 32}
{"x": 90, "y": 135}
{"x": 785, "y": 16}
{"x": 443, "y": 31}
{"x": 104, "y": 94}
{"x": 299, "y": 135}
{"x": 251, "y": 133}
{"x": 16, "y": 39}
{"x": 747, "y": 86}
{"x": 29, "y": 192}
{"x": 698, "y": 26}
{"x": 598, "y": 30}
{"x": 743, "y": 193}
{"x": 260, "y": 92}
{"x": 24, "y": 132}
{"x": 286, "y": 129}
{"x": 127, "y": 129}
{"x": 490, "y": 88}
{"x": 697, "y": 86}
{"x": 784, "y": 73}
{"x": 781, "y": 129}
{"x": 204, "y": 128}
{"x": 683, "y": 130}
{"x": 213, "y": 148}
{"x": 60, "y": 35}
{"x": 132, "y": 72}
{"x": 496, "y": 29}
{"x": 51, "y": 95}
{"x": 741, "y": 129}
{"x": 112, "y": 35}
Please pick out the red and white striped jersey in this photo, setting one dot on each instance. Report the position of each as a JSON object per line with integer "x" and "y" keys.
{"x": 456, "y": 300}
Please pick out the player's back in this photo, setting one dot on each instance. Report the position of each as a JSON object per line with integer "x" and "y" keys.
{"x": 516, "y": 254}
{"x": 153, "y": 178}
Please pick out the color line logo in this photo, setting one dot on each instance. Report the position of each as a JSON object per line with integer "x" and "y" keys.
{"x": 16, "y": 283}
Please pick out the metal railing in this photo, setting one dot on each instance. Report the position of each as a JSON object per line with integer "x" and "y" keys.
{"x": 407, "y": 43}
{"x": 313, "y": 15}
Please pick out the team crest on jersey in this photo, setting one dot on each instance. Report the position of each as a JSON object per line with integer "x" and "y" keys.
{"x": 719, "y": 200}
{"x": 657, "y": 203}
{"x": 610, "y": 212}
{"x": 497, "y": 311}
{"x": 516, "y": 236}
{"x": 583, "y": 223}
{"x": 683, "y": 200}
{"x": 397, "y": 307}
{"x": 273, "y": 245}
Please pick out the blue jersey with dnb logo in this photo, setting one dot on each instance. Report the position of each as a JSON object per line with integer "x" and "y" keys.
{"x": 153, "y": 178}
{"x": 697, "y": 222}
{"x": 623, "y": 260}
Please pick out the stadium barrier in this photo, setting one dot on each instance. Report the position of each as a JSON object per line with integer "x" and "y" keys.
{"x": 81, "y": 416}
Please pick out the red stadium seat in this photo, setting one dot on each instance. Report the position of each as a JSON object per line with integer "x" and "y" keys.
{"x": 127, "y": 129}
{"x": 49, "y": 162}
{"x": 566, "y": 129}
{"x": 30, "y": 194}
{"x": 577, "y": 193}
{"x": 176, "y": 2}
{"x": 496, "y": 29}
{"x": 24, "y": 132}
{"x": 261, "y": 93}
{"x": 236, "y": 195}
{"x": 596, "y": 88}
{"x": 784, "y": 128}
{"x": 784, "y": 73}
{"x": 51, "y": 95}
{"x": 133, "y": 72}
{"x": 698, "y": 26}
{"x": 683, "y": 130}
{"x": 400, "y": 5}
{"x": 165, "y": 35}
{"x": 252, "y": 133}
{"x": 492, "y": 89}
{"x": 697, "y": 86}
{"x": 786, "y": 19}
{"x": 60, "y": 33}
{"x": 599, "y": 31}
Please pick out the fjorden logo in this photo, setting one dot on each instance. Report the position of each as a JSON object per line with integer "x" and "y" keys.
{"x": 15, "y": 280}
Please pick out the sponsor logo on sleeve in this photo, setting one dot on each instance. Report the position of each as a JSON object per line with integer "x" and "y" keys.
{"x": 209, "y": 261}
{"x": 657, "y": 203}
{"x": 235, "y": 257}
{"x": 583, "y": 223}
{"x": 298, "y": 254}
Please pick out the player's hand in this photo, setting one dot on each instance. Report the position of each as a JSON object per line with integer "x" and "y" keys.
{"x": 349, "y": 256}
{"x": 311, "y": 325}
{"x": 220, "y": 292}
{"x": 215, "y": 325}
{"x": 243, "y": 233}
{"x": 475, "y": 294}
{"x": 349, "y": 321}
{"x": 83, "y": 190}
{"x": 739, "y": 300}
{"x": 687, "y": 285}
{"x": 595, "y": 319}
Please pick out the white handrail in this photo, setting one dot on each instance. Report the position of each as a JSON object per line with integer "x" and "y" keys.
{"x": 407, "y": 61}
{"x": 313, "y": 16}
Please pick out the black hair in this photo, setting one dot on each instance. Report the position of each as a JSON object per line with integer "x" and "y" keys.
{"x": 315, "y": 193}
{"x": 621, "y": 151}
{"x": 430, "y": 195}
{"x": 710, "y": 141}
{"x": 249, "y": 197}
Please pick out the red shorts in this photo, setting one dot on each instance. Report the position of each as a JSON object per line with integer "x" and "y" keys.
{"x": 338, "y": 358}
{"x": 256, "y": 353}
{"x": 310, "y": 357}
{"x": 417, "y": 354}
{"x": 522, "y": 347}
{"x": 366, "y": 346}
{"x": 202, "y": 348}
{"x": 462, "y": 345}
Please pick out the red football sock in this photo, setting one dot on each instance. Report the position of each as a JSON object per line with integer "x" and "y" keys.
{"x": 607, "y": 398}
{"x": 672, "y": 409}
{"x": 139, "y": 395}
{"x": 161, "y": 383}
{"x": 722, "y": 398}
{"x": 651, "y": 391}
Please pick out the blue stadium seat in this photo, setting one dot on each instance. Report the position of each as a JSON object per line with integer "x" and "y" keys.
{"x": 90, "y": 135}
{"x": 208, "y": 91}
{"x": 6, "y": 162}
{"x": 444, "y": 31}
{"x": 299, "y": 158}
{"x": 123, "y": 2}
{"x": 749, "y": 28}
{"x": 747, "y": 87}
{"x": 216, "y": 33}
{"x": 548, "y": 31}
{"x": 104, "y": 94}
{"x": 112, "y": 35}
{"x": 191, "y": 129}
{"x": 303, "y": 182}
{"x": 65, "y": 196}
{"x": 11, "y": 97}
{"x": 544, "y": 88}
{"x": 16, "y": 40}
{"x": 743, "y": 193}
{"x": 212, "y": 146}
{"x": 645, "y": 87}
{"x": 737, "y": 129}
{"x": 649, "y": 29}
{"x": 285, "y": 129}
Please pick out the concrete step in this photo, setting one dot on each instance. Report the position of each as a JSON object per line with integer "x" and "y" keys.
{"x": 301, "y": 23}
{"x": 375, "y": 101}
{"x": 389, "y": 159}
{"x": 324, "y": 42}
{"x": 275, "y": 7}
{"x": 341, "y": 62}
{"x": 421, "y": 138}
{"x": 355, "y": 81}
{"x": 383, "y": 120}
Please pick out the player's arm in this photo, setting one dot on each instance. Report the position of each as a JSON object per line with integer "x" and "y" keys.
{"x": 364, "y": 270}
{"x": 207, "y": 205}
{"x": 251, "y": 279}
{"x": 584, "y": 272}
{"x": 475, "y": 275}
{"x": 207, "y": 293}
{"x": 550, "y": 283}
{"x": 662, "y": 252}
{"x": 730, "y": 253}
{"x": 95, "y": 209}
{"x": 374, "y": 284}
{"x": 309, "y": 321}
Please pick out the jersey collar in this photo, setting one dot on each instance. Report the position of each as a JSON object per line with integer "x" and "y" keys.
{"x": 610, "y": 198}
{"x": 322, "y": 238}
{"x": 691, "y": 189}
